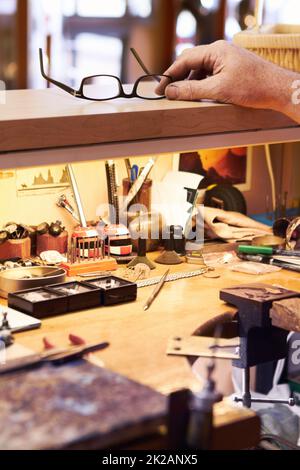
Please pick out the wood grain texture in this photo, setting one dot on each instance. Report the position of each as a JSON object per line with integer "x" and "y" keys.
{"x": 139, "y": 339}
{"x": 39, "y": 119}
{"x": 286, "y": 314}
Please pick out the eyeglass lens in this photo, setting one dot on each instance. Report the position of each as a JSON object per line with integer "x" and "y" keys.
{"x": 147, "y": 86}
{"x": 101, "y": 88}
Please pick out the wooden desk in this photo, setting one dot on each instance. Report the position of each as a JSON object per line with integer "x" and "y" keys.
{"x": 138, "y": 339}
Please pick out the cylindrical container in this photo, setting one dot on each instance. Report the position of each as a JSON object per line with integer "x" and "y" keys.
{"x": 16, "y": 249}
{"x": 47, "y": 242}
{"x": 144, "y": 195}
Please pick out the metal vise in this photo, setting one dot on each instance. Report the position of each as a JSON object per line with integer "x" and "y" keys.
{"x": 260, "y": 341}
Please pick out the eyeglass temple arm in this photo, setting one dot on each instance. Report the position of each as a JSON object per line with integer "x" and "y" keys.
{"x": 51, "y": 80}
{"x": 139, "y": 60}
{"x": 141, "y": 63}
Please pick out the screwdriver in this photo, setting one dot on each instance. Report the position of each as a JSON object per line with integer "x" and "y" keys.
{"x": 266, "y": 250}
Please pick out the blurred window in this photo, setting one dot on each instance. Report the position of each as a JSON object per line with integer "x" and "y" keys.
{"x": 8, "y": 7}
{"x": 282, "y": 11}
{"x": 186, "y": 31}
{"x": 96, "y": 34}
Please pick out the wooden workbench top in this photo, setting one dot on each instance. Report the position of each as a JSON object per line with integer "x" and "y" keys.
{"x": 138, "y": 339}
{"x": 39, "y": 119}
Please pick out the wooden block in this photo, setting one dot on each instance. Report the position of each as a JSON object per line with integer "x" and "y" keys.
{"x": 16, "y": 249}
{"x": 286, "y": 314}
{"x": 234, "y": 428}
{"x": 90, "y": 267}
{"x": 47, "y": 242}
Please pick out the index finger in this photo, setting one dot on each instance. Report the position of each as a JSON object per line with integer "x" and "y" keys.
{"x": 196, "y": 58}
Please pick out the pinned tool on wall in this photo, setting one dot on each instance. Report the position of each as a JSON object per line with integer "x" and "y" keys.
{"x": 65, "y": 204}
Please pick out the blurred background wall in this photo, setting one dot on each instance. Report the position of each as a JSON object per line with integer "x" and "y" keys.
{"x": 91, "y": 36}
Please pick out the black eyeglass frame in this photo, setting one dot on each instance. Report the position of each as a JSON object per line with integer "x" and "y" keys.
{"x": 122, "y": 94}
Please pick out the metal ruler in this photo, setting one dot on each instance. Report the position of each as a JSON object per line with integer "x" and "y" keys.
{"x": 171, "y": 277}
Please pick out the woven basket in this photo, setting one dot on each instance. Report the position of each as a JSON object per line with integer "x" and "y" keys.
{"x": 279, "y": 44}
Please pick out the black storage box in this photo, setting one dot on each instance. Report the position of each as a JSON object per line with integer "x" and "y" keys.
{"x": 114, "y": 290}
{"x": 40, "y": 302}
{"x": 80, "y": 296}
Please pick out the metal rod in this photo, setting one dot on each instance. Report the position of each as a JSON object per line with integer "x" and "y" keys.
{"x": 103, "y": 248}
{"x": 89, "y": 249}
{"x": 76, "y": 195}
{"x": 156, "y": 291}
{"x": 246, "y": 388}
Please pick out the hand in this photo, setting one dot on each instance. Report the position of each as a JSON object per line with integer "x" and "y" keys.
{"x": 229, "y": 74}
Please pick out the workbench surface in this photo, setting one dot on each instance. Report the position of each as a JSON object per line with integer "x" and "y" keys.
{"x": 138, "y": 339}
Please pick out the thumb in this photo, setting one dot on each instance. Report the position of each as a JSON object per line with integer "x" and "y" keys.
{"x": 193, "y": 90}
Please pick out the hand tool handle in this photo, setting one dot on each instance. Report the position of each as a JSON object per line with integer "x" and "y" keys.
{"x": 255, "y": 250}
{"x": 266, "y": 250}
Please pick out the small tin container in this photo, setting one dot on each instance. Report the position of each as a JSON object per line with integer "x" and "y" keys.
{"x": 114, "y": 290}
{"x": 39, "y": 303}
{"x": 80, "y": 296}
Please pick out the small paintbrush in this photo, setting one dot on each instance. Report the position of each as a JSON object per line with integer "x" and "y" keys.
{"x": 156, "y": 291}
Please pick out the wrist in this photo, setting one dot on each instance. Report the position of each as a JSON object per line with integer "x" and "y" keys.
{"x": 287, "y": 94}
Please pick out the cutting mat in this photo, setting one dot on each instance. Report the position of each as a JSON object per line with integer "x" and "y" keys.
{"x": 75, "y": 406}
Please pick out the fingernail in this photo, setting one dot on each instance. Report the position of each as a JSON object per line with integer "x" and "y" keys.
{"x": 172, "y": 92}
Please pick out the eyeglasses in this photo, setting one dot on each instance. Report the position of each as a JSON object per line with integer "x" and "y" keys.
{"x": 109, "y": 87}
